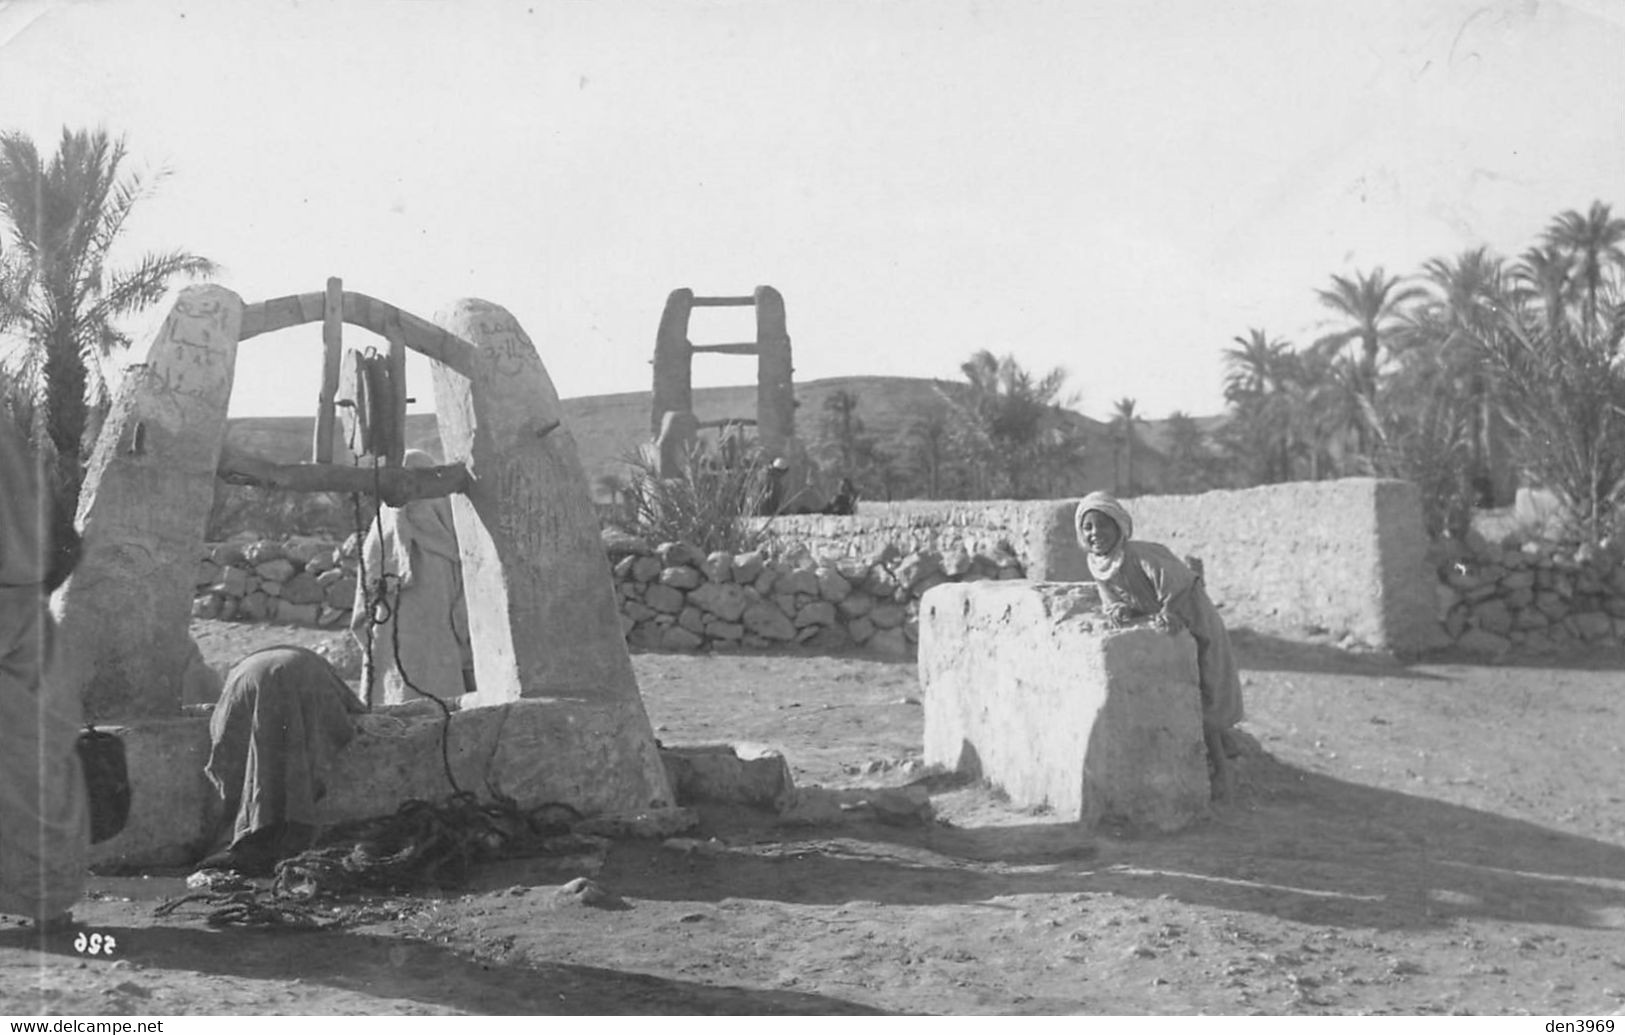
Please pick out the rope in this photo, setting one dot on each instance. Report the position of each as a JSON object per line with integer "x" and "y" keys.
{"x": 381, "y": 609}
{"x": 423, "y": 844}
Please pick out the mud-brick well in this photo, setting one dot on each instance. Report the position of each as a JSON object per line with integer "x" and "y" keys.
{"x": 1024, "y": 685}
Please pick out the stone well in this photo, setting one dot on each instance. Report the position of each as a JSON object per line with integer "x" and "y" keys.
{"x": 1025, "y": 686}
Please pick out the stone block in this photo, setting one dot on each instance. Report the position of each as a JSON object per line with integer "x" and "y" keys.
{"x": 341, "y": 594}
{"x": 767, "y": 621}
{"x": 829, "y": 637}
{"x": 1493, "y": 616}
{"x": 234, "y": 582}
{"x": 888, "y": 616}
{"x": 860, "y": 629}
{"x": 889, "y": 643}
{"x": 680, "y": 577}
{"x": 726, "y": 600}
{"x": 833, "y": 586}
{"x": 817, "y": 612}
{"x": 747, "y": 566}
{"x": 321, "y": 563}
{"x": 302, "y": 549}
{"x": 1479, "y": 641}
{"x": 172, "y": 805}
{"x": 856, "y": 605}
{"x": 801, "y": 580}
{"x": 677, "y": 555}
{"x": 303, "y": 589}
{"x": 647, "y": 569}
{"x": 1592, "y": 626}
{"x": 1530, "y": 618}
{"x": 208, "y": 573}
{"x": 664, "y": 599}
{"x": 1552, "y": 604}
{"x": 718, "y": 566}
{"x": 916, "y": 566}
{"x": 619, "y": 545}
{"x": 675, "y": 637}
{"x": 1025, "y": 686}
{"x": 692, "y": 619}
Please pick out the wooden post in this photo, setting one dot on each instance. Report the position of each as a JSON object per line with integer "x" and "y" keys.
{"x": 332, "y": 352}
{"x": 397, "y": 384}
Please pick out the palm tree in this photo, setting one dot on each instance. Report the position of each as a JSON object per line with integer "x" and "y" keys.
{"x": 1372, "y": 303}
{"x": 1543, "y": 275}
{"x": 1472, "y": 295}
{"x": 1257, "y": 372}
{"x": 1592, "y": 241}
{"x": 1187, "y": 454}
{"x": 58, "y": 292}
{"x": 1254, "y": 369}
{"x": 1003, "y": 407}
{"x": 1123, "y": 420}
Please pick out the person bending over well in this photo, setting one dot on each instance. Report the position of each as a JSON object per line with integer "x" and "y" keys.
{"x": 1141, "y": 579}
{"x": 283, "y": 716}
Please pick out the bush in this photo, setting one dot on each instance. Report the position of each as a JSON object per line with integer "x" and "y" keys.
{"x": 706, "y": 506}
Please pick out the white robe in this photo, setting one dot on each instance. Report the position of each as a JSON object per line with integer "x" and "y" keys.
{"x": 427, "y": 628}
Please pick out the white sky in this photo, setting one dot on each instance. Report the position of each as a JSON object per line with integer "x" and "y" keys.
{"x": 1114, "y": 187}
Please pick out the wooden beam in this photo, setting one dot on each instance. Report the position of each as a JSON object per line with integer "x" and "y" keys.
{"x": 332, "y": 353}
{"x": 741, "y": 348}
{"x": 276, "y": 313}
{"x": 363, "y": 311}
{"x": 397, "y": 385}
{"x": 721, "y": 300}
{"x": 394, "y": 485}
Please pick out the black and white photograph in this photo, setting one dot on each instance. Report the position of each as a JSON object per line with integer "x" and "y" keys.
{"x": 884, "y": 508}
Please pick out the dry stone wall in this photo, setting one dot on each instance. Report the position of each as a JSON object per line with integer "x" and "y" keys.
{"x": 670, "y": 596}
{"x": 1530, "y": 597}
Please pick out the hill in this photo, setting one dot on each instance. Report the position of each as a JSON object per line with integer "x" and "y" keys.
{"x": 608, "y": 427}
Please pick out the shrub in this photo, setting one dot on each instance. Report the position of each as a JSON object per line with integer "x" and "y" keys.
{"x": 706, "y": 505}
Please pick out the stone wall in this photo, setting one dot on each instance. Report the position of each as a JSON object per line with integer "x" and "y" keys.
{"x": 298, "y": 581}
{"x": 1530, "y": 597}
{"x": 670, "y": 596}
{"x": 1347, "y": 557}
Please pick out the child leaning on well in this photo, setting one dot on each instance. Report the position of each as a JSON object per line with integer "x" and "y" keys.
{"x": 1141, "y": 579}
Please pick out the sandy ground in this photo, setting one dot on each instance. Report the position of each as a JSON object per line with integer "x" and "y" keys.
{"x": 1439, "y": 838}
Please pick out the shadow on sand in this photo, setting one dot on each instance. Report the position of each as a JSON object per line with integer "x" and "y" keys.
{"x": 1295, "y": 844}
{"x": 379, "y": 968}
{"x": 1264, "y": 652}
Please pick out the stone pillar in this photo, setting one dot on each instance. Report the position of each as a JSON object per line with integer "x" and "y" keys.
{"x": 541, "y": 601}
{"x": 674, "y": 360}
{"x": 1025, "y": 686}
{"x": 126, "y": 611}
{"x": 775, "y": 385}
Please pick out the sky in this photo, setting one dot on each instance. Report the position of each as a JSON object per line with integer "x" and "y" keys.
{"x": 1115, "y": 188}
